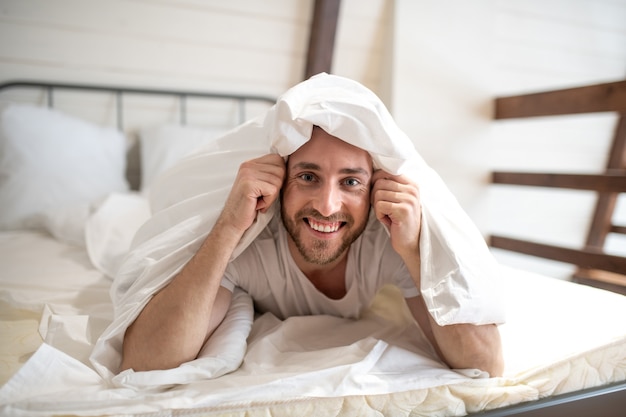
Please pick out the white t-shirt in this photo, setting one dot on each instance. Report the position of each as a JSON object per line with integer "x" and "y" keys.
{"x": 268, "y": 273}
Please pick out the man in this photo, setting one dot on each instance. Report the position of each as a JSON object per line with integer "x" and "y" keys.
{"x": 317, "y": 257}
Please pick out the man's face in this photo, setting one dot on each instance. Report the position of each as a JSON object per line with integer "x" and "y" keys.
{"x": 326, "y": 197}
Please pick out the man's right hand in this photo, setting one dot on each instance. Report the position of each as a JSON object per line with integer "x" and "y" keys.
{"x": 256, "y": 187}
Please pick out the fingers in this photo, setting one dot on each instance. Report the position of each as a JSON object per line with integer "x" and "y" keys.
{"x": 393, "y": 195}
{"x": 274, "y": 176}
{"x": 256, "y": 187}
{"x": 262, "y": 179}
{"x": 397, "y": 205}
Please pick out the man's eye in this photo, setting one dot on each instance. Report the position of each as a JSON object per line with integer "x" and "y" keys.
{"x": 352, "y": 182}
{"x": 307, "y": 177}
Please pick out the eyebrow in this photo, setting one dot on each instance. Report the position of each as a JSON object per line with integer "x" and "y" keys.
{"x": 315, "y": 167}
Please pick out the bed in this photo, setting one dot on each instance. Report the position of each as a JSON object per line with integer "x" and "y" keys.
{"x": 564, "y": 343}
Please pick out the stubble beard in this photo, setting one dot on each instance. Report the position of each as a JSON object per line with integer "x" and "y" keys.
{"x": 319, "y": 252}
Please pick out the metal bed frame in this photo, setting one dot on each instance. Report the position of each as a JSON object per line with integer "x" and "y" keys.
{"x": 604, "y": 401}
{"x": 120, "y": 91}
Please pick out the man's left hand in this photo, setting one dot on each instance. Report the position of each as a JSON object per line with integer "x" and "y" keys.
{"x": 396, "y": 202}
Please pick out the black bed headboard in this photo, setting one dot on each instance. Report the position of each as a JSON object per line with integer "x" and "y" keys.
{"x": 120, "y": 92}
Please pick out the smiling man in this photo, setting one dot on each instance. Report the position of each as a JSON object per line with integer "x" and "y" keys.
{"x": 344, "y": 231}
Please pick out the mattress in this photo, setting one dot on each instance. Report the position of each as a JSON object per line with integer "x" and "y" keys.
{"x": 559, "y": 337}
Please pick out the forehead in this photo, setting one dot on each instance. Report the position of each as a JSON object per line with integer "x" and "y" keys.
{"x": 331, "y": 153}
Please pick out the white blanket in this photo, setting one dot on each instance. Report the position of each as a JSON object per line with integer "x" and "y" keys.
{"x": 459, "y": 275}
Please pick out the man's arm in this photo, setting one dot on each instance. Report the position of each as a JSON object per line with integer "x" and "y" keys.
{"x": 177, "y": 321}
{"x": 461, "y": 346}
{"x": 397, "y": 205}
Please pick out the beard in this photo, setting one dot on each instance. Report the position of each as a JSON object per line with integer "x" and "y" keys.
{"x": 321, "y": 251}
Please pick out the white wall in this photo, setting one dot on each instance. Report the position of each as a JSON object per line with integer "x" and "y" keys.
{"x": 237, "y": 45}
{"x": 452, "y": 57}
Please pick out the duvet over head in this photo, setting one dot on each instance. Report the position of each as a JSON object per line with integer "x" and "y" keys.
{"x": 459, "y": 274}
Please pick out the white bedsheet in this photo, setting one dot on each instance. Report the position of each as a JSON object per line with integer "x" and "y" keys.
{"x": 559, "y": 337}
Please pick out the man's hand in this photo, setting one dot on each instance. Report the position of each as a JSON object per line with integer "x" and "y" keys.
{"x": 396, "y": 202}
{"x": 256, "y": 187}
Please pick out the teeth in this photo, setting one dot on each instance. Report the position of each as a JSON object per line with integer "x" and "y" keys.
{"x": 326, "y": 228}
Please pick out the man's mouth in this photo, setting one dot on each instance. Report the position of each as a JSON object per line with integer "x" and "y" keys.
{"x": 323, "y": 227}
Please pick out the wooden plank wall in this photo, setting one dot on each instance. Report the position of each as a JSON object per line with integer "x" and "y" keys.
{"x": 235, "y": 45}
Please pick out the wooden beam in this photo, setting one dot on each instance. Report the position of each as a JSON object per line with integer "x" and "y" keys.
{"x": 583, "y": 258}
{"x": 322, "y": 37}
{"x": 601, "y": 279}
{"x": 615, "y": 183}
{"x": 617, "y": 153}
{"x": 603, "y": 212}
{"x": 618, "y": 229}
{"x": 589, "y": 99}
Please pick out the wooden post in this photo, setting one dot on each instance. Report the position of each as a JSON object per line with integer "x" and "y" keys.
{"x": 322, "y": 37}
{"x": 603, "y": 214}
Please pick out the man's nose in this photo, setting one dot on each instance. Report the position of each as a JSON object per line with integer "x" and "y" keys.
{"x": 328, "y": 199}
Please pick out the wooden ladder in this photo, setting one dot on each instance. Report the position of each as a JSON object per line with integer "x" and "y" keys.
{"x": 594, "y": 266}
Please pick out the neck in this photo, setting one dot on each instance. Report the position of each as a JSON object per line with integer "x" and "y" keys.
{"x": 329, "y": 279}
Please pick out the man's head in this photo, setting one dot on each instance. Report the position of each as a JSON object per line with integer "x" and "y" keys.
{"x": 325, "y": 200}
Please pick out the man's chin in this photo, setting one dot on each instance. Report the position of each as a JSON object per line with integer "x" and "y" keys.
{"x": 320, "y": 253}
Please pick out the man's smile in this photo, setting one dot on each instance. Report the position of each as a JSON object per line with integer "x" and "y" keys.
{"x": 323, "y": 227}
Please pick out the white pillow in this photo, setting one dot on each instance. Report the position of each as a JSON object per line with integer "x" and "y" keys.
{"x": 50, "y": 162}
{"x": 162, "y": 146}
